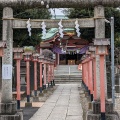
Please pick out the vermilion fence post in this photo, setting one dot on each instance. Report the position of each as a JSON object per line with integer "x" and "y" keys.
{"x": 95, "y": 85}
{"x": 27, "y": 58}
{"x": 91, "y": 78}
{"x": 35, "y": 60}
{"x": 102, "y": 84}
{"x": 18, "y": 56}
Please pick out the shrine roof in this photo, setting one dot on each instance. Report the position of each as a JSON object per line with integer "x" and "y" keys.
{"x": 51, "y": 33}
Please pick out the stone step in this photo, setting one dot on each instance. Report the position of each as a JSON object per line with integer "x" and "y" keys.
{"x": 57, "y": 77}
{"x": 66, "y": 82}
{"x": 67, "y": 74}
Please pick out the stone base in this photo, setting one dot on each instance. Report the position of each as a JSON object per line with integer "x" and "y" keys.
{"x": 45, "y": 91}
{"x": 86, "y": 94}
{"x": 20, "y": 112}
{"x": 10, "y": 117}
{"x": 28, "y": 104}
{"x": 8, "y": 111}
{"x": 41, "y": 94}
{"x": 91, "y": 116}
{"x": 96, "y": 107}
{"x": 35, "y": 99}
{"x": 89, "y": 105}
{"x": 8, "y": 108}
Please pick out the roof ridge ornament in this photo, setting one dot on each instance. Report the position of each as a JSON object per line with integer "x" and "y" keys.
{"x": 77, "y": 28}
{"x": 29, "y": 26}
{"x": 43, "y": 30}
{"x": 60, "y": 29}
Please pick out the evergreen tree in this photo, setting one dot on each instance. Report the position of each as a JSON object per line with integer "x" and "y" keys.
{"x": 88, "y": 33}
{"x": 21, "y": 36}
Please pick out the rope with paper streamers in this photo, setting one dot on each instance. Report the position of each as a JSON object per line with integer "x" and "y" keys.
{"x": 29, "y": 27}
{"x": 77, "y": 28}
{"x": 43, "y": 30}
{"x": 60, "y": 29}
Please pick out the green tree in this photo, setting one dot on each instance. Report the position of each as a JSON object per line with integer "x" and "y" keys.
{"x": 21, "y": 36}
{"x": 88, "y": 13}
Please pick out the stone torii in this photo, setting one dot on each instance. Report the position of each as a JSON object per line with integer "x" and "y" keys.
{"x": 10, "y": 23}
{"x": 59, "y": 3}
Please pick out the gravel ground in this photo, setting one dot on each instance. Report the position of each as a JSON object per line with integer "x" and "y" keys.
{"x": 84, "y": 101}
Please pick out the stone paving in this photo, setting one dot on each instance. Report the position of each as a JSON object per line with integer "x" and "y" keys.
{"x": 63, "y": 104}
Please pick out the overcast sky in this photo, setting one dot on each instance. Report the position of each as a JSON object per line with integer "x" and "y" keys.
{"x": 57, "y": 11}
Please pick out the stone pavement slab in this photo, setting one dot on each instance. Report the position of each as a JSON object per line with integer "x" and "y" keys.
{"x": 63, "y": 104}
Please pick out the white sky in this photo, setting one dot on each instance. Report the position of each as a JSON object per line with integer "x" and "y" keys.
{"x": 57, "y": 11}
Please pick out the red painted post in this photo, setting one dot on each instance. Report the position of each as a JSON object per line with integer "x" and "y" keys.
{"x": 48, "y": 75}
{"x": 102, "y": 84}
{"x": 93, "y": 71}
{"x": 91, "y": 78}
{"x": 83, "y": 74}
{"x": 95, "y": 85}
{"x": 44, "y": 75}
{"x": 40, "y": 77}
{"x": 83, "y": 71}
{"x": 28, "y": 80}
{"x": 53, "y": 72}
{"x": 35, "y": 60}
{"x": 18, "y": 57}
{"x": 35, "y": 78}
{"x": 27, "y": 58}
{"x": 40, "y": 63}
{"x": 18, "y": 81}
{"x": 88, "y": 75}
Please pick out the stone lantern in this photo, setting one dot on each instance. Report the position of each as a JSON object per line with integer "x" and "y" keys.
{"x": 2, "y": 46}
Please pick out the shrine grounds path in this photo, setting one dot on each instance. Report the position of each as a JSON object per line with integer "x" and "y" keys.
{"x": 63, "y": 104}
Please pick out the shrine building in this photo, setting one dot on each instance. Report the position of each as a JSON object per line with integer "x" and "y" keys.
{"x": 68, "y": 50}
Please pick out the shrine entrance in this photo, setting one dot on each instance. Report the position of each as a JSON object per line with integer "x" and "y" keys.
{"x": 97, "y": 22}
{"x": 70, "y": 59}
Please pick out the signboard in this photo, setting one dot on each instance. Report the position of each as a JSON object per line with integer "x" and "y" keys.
{"x": 6, "y": 71}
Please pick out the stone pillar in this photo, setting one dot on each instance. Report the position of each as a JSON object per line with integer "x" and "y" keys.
{"x": 106, "y": 112}
{"x": 8, "y": 109}
{"x": 99, "y": 33}
{"x": 8, "y": 53}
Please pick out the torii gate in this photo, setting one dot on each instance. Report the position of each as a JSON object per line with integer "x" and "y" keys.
{"x": 10, "y": 23}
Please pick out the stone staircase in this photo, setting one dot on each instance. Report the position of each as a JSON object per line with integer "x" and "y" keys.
{"x": 67, "y": 74}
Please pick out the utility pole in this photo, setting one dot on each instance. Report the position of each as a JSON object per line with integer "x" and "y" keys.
{"x": 112, "y": 61}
